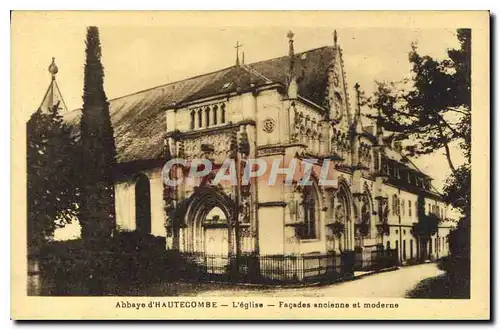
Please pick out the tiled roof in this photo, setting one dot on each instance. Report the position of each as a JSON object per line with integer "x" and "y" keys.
{"x": 311, "y": 68}
{"x": 139, "y": 119}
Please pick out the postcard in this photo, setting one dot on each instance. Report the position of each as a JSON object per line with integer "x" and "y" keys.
{"x": 250, "y": 165}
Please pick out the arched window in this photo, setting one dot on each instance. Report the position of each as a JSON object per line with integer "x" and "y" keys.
{"x": 223, "y": 114}
{"x": 142, "y": 205}
{"x": 310, "y": 213}
{"x": 207, "y": 116}
{"x": 409, "y": 208}
{"x": 192, "y": 119}
{"x": 200, "y": 117}
{"x": 215, "y": 109}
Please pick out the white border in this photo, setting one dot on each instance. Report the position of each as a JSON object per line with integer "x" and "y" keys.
{"x": 185, "y": 5}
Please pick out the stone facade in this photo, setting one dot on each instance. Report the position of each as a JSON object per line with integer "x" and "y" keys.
{"x": 378, "y": 197}
{"x": 292, "y": 108}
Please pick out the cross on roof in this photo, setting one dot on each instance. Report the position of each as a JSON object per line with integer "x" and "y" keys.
{"x": 237, "y": 47}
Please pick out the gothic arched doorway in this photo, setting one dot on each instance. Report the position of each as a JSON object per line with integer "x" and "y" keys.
{"x": 208, "y": 222}
{"x": 142, "y": 204}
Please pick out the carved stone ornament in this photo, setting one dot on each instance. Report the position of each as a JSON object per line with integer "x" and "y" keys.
{"x": 247, "y": 232}
{"x": 219, "y": 142}
{"x": 336, "y": 80}
{"x": 268, "y": 125}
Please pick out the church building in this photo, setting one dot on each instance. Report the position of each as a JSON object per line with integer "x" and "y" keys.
{"x": 292, "y": 107}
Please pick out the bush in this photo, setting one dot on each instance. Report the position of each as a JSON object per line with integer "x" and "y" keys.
{"x": 118, "y": 265}
{"x": 458, "y": 273}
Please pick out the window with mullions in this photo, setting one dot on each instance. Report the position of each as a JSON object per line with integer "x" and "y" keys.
{"x": 309, "y": 208}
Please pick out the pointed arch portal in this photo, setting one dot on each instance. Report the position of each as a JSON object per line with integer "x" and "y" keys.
{"x": 208, "y": 221}
{"x": 344, "y": 213}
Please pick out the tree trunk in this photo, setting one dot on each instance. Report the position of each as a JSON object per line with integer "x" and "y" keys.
{"x": 447, "y": 150}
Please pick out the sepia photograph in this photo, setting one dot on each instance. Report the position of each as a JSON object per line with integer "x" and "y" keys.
{"x": 292, "y": 167}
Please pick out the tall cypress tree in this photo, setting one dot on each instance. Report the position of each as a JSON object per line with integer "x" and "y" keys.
{"x": 97, "y": 208}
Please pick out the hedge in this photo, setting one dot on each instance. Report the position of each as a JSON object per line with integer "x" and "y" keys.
{"x": 118, "y": 265}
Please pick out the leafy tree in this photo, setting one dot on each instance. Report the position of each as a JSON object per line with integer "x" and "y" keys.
{"x": 52, "y": 158}
{"x": 432, "y": 109}
{"x": 97, "y": 211}
{"x": 457, "y": 190}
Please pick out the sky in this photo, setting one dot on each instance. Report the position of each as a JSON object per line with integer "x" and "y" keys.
{"x": 140, "y": 56}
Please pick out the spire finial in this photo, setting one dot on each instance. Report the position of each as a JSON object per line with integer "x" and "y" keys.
{"x": 335, "y": 37}
{"x": 53, "y": 96}
{"x": 292, "y": 79}
{"x": 291, "y": 52}
{"x": 53, "y": 69}
{"x": 238, "y": 52}
{"x": 358, "y": 104}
